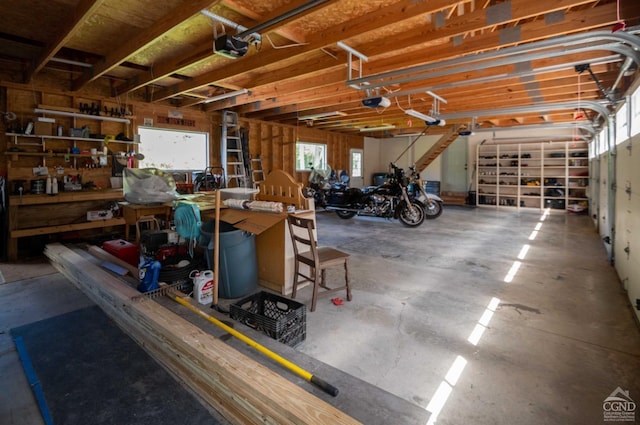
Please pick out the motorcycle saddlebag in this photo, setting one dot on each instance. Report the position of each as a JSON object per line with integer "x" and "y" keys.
{"x": 342, "y": 197}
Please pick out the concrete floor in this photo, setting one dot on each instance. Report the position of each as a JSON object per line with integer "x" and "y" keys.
{"x": 452, "y": 318}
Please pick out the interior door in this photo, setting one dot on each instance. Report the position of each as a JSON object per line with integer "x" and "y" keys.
{"x": 455, "y": 167}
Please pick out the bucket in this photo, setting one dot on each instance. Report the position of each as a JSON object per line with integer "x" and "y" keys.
{"x": 238, "y": 262}
{"x": 206, "y": 232}
{"x": 203, "y": 286}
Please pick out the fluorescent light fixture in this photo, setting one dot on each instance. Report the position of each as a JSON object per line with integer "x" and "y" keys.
{"x": 70, "y": 62}
{"x": 322, "y": 115}
{"x": 419, "y": 115}
{"x": 226, "y": 95}
{"x": 426, "y": 118}
{"x": 380, "y": 127}
{"x": 79, "y": 115}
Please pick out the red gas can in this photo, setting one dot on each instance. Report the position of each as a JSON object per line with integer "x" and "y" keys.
{"x": 124, "y": 250}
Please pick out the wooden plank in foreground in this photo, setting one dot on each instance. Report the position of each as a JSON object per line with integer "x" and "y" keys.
{"x": 241, "y": 389}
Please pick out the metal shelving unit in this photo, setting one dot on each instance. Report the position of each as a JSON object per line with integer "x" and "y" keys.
{"x": 533, "y": 175}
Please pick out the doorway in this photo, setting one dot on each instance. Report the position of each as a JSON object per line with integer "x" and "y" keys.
{"x": 455, "y": 166}
{"x": 356, "y": 177}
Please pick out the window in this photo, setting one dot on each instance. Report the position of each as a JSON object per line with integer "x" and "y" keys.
{"x": 310, "y": 155}
{"x": 622, "y": 123}
{"x": 356, "y": 163}
{"x": 635, "y": 112}
{"x": 173, "y": 150}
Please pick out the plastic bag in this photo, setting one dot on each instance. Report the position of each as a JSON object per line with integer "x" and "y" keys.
{"x": 148, "y": 186}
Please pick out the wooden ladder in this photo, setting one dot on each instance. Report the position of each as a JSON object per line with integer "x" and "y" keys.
{"x": 438, "y": 147}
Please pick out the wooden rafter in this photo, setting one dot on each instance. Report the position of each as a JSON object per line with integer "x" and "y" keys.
{"x": 83, "y": 10}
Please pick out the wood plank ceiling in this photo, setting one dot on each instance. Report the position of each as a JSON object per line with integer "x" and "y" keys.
{"x": 490, "y": 63}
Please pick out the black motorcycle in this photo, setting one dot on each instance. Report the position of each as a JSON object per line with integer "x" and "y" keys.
{"x": 389, "y": 200}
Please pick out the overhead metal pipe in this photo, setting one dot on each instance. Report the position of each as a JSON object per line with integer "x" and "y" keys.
{"x": 623, "y": 69}
{"x": 549, "y": 126}
{"x": 473, "y": 65}
{"x": 583, "y": 104}
{"x": 498, "y": 140}
{"x": 228, "y": 22}
{"x": 289, "y": 14}
{"x": 517, "y": 74}
{"x": 621, "y": 37}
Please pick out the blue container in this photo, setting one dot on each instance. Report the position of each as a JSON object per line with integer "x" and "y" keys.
{"x": 238, "y": 267}
{"x": 206, "y": 233}
{"x": 148, "y": 272}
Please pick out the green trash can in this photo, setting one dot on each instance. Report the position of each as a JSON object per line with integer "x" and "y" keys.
{"x": 238, "y": 263}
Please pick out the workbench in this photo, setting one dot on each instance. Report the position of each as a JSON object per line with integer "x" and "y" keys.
{"x": 133, "y": 212}
{"x": 33, "y": 215}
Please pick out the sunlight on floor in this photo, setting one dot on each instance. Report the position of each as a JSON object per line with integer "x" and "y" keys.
{"x": 440, "y": 397}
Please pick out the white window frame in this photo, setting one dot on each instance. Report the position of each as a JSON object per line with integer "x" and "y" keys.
{"x": 353, "y": 170}
{"x": 622, "y": 123}
{"x": 318, "y": 151}
{"x": 177, "y": 150}
{"x": 635, "y": 112}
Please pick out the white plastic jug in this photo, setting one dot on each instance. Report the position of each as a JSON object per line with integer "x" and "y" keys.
{"x": 203, "y": 286}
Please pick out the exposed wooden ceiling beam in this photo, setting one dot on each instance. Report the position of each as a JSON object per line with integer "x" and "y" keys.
{"x": 84, "y": 9}
{"x": 389, "y": 15}
{"x": 534, "y": 31}
{"x": 121, "y": 53}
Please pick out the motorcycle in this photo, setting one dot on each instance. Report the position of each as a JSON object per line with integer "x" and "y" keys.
{"x": 432, "y": 204}
{"x": 320, "y": 181}
{"x": 389, "y": 200}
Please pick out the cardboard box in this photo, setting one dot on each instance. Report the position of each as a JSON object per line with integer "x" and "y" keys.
{"x": 251, "y": 221}
{"x": 99, "y": 215}
{"x": 43, "y": 128}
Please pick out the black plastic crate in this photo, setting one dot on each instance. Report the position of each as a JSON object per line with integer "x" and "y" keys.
{"x": 280, "y": 318}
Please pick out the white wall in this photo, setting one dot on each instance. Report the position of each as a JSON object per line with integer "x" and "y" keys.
{"x": 378, "y": 153}
{"x": 626, "y": 246}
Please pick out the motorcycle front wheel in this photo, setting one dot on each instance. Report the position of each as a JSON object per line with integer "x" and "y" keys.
{"x": 432, "y": 209}
{"x": 345, "y": 214}
{"x": 412, "y": 215}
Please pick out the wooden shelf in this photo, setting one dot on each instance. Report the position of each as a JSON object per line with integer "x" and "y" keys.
{"x": 77, "y": 139}
{"x": 33, "y": 215}
{"x": 66, "y": 113}
{"x": 19, "y": 233}
{"x": 62, "y": 197}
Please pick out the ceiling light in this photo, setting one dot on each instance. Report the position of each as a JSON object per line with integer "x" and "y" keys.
{"x": 320, "y": 115}
{"x": 70, "y": 62}
{"x": 426, "y": 118}
{"x": 420, "y": 115}
{"x": 226, "y": 95}
{"x": 378, "y": 128}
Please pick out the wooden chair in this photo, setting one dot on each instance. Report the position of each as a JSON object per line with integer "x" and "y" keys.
{"x": 317, "y": 258}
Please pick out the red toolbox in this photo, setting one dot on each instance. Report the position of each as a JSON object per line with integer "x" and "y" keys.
{"x": 124, "y": 250}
